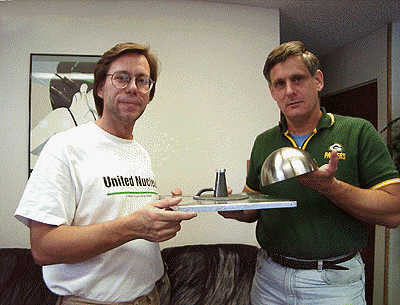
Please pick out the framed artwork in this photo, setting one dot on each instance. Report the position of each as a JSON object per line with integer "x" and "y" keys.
{"x": 60, "y": 96}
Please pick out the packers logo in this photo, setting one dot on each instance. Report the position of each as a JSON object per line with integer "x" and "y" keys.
{"x": 340, "y": 151}
{"x": 337, "y": 147}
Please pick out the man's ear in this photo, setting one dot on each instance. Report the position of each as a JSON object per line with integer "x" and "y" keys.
{"x": 100, "y": 91}
{"x": 319, "y": 79}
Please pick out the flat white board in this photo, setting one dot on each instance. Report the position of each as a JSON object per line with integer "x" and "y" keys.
{"x": 253, "y": 202}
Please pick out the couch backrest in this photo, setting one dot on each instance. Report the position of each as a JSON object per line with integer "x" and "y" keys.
{"x": 210, "y": 274}
{"x": 21, "y": 280}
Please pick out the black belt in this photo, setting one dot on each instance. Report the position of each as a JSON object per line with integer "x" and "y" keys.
{"x": 312, "y": 264}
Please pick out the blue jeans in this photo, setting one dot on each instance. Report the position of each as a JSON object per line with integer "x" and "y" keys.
{"x": 274, "y": 284}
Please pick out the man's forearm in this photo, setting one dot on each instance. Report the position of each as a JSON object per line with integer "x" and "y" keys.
{"x": 381, "y": 206}
{"x": 73, "y": 244}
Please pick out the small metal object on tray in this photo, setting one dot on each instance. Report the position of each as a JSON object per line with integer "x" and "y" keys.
{"x": 222, "y": 201}
{"x": 220, "y": 191}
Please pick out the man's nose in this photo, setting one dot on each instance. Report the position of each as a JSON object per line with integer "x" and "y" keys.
{"x": 131, "y": 87}
{"x": 289, "y": 88}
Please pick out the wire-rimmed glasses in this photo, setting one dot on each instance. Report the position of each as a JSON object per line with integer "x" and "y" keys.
{"x": 121, "y": 79}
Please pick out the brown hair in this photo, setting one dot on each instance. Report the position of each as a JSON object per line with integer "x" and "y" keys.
{"x": 103, "y": 65}
{"x": 286, "y": 50}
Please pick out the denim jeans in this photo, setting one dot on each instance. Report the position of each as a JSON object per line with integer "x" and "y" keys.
{"x": 274, "y": 284}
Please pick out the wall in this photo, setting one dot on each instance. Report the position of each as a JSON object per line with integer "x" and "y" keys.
{"x": 360, "y": 62}
{"x": 211, "y": 99}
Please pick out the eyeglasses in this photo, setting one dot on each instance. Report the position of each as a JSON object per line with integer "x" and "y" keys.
{"x": 121, "y": 80}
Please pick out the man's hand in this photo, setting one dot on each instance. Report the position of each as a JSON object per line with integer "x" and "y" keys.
{"x": 244, "y": 216}
{"x": 322, "y": 179}
{"x": 176, "y": 192}
{"x": 157, "y": 221}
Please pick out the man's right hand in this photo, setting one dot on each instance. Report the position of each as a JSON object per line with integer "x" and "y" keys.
{"x": 157, "y": 221}
{"x": 244, "y": 216}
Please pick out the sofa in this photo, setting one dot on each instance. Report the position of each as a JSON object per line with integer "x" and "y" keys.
{"x": 214, "y": 274}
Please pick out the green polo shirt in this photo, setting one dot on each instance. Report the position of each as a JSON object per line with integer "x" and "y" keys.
{"x": 317, "y": 228}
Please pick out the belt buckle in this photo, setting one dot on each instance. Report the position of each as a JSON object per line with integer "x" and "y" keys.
{"x": 320, "y": 265}
{"x": 144, "y": 300}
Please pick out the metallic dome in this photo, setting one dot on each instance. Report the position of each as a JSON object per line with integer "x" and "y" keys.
{"x": 286, "y": 162}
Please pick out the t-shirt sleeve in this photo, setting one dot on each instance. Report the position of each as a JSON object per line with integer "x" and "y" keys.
{"x": 49, "y": 196}
{"x": 253, "y": 178}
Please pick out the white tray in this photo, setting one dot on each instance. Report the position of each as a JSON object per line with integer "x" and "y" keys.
{"x": 253, "y": 202}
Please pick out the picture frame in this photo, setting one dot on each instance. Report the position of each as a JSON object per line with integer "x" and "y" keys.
{"x": 60, "y": 96}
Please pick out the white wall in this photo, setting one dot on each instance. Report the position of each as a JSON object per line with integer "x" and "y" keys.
{"x": 211, "y": 99}
{"x": 359, "y": 62}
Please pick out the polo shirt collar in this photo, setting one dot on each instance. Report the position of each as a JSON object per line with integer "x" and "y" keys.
{"x": 327, "y": 120}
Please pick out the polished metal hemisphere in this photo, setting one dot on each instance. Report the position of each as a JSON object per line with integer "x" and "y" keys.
{"x": 285, "y": 163}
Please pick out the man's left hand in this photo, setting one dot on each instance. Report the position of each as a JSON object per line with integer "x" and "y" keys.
{"x": 321, "y": 179}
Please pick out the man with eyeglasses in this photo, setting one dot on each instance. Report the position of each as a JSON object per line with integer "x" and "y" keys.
{"x": 91, "y": 201}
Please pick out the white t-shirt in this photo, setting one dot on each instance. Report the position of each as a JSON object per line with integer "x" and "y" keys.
{"x": 86, "y": 176}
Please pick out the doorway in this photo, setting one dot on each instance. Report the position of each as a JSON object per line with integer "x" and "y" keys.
{"x": 362, "y": 102}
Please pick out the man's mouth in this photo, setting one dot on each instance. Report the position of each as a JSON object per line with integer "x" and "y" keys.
{"x": 291, "y": 103}
{"x": 130, "y": 106}
{"x": 131, "y": 103}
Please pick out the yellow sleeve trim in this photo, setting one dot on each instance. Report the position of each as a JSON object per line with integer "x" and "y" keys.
{"x": 384, "y": 183}
{"x": 251, "y": 190}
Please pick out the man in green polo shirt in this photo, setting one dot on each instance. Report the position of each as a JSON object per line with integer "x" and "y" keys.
{"x": 310, "y": 254}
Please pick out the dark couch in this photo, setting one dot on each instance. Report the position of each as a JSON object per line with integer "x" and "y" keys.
{"x": 197, "y": 274}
